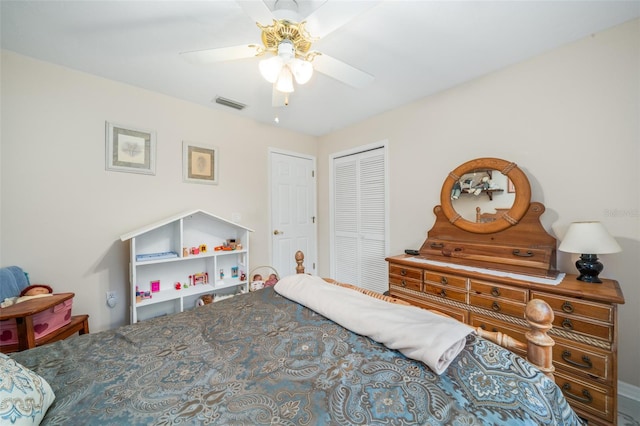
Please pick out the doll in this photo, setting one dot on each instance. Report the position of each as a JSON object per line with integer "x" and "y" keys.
{"x": 271, "y": 281}
{"x": 257, "y": 283}
{"x": 31, "y": 292}
{"x": 35, "y": 290}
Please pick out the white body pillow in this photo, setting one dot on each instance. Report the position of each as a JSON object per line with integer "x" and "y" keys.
{"x": 417, "y": 333}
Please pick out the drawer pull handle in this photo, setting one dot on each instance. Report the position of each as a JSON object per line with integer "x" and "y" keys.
{"x": 444, "y": 281}
{"x": 516, "y": 252}
{"x": 586, "y": 362}
{"x": 404, "y": 283}
{"x": 495, "y": 292}
{"x": 567, "y": 307}
{"x": 567, "y": 324}
{"x": 437, "y": 245}
{"x": 443, "y": 293}
{"x": 495, "y": 306}
{"x": 403, "y": 272}
{"x": 586, "y": 397}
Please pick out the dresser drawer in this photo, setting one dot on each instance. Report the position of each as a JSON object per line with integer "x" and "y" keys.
{"x": 445, "y": 280}
{"x": 498, "y": 291}
{"x": 461, "y": 315}
{"x": 444, "y": 292}
{"x": 587, "y": 396}
{"x": 405, "y": 271}
{"x": 583, "y": 360}
{"x": 576, "y": 324}
{"x": 405, "y": 282}
{"x": 584, "y": 308}
{"x": 502, "y": 306}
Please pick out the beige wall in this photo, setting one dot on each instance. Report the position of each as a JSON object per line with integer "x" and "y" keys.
{"x": 63, "y": 214}
{"x": 569, "y": 118}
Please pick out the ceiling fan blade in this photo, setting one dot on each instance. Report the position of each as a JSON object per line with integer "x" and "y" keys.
{"x": 333, "y": 15}
{"x": 341, "y": 71}
{"x": 279, "y": 99}
{"x": 209, "y": 56}
{"x": 257, "y": 11}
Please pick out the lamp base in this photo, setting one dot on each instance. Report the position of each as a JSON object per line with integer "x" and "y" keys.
{"x": 589, "y": 268}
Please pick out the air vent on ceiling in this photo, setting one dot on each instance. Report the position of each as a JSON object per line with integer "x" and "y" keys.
{"x": 228, "y": 102}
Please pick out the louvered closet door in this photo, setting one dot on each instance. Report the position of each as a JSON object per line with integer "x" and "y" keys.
{"x": 359, "y": 220}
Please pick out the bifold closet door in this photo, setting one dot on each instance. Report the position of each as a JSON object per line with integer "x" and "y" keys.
{"x": 359, "y": 231}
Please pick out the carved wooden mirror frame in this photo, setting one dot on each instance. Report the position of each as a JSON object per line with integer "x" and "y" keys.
{"x": 508, "y": 219}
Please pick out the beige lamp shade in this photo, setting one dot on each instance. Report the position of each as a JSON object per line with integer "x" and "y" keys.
{"x": 588, "y": 237}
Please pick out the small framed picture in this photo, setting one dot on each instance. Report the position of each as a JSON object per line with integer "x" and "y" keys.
{"x": 155, "y": 286}
{"x": 199, "y": 163}
{"x": 510, "y": 186}
{"x": 130, "y": 149}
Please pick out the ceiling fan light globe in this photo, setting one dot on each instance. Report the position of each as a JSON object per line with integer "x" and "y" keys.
{"x": 270, "y": 68}
{"x": 285, "y": 81}
{"x": 302, "y": 70}
{"x": 286, "y": 50}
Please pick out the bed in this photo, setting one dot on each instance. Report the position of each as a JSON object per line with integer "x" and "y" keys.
{"x": 261, "y": 358}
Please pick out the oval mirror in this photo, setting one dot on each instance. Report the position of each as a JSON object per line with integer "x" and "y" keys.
{"x": 490, "y": 195}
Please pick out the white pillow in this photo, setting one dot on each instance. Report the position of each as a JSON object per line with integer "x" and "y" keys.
{"x": 25, "y": 397}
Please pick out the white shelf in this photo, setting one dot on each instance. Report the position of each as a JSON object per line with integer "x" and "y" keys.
{"x": 228, "y": 282}
{"x": 191, "y": 257}
{"x": 165, "y": 295}
{"x": 175, "y": 234}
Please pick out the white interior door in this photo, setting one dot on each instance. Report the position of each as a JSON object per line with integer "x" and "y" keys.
{"x": 293, "y": 211}
{"x": 359, "y": 219}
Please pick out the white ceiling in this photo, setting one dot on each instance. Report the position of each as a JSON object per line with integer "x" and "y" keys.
{"x": 412, "y": 48}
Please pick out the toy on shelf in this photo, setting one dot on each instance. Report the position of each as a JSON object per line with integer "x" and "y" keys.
{"x": 155, "y": 286}
{"x": 202, "y": 248}
{"x": 142, "y": 295}
{"x": 199, "y": 278}
{"x": 229, "y": 245}
{"x": 145, "y": 257}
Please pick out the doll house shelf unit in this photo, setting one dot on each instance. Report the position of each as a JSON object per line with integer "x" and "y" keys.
{"x": 177, "y": 260}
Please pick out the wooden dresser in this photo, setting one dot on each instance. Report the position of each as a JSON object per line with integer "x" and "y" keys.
{"x": 585, "y": 325}
{"x": 483, "y": 269}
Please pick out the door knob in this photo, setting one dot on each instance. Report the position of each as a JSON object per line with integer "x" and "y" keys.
{"x": 276, "y": 232}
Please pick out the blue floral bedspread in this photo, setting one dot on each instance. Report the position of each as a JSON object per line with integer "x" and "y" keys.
{"x": 260, "y": 359}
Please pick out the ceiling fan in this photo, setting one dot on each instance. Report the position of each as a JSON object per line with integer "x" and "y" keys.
{"x": 286, "y": 44}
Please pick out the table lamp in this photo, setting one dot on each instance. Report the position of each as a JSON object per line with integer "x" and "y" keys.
{"x": 589, "y": 239}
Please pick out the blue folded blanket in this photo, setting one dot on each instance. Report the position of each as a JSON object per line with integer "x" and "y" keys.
{"x": 12, "y": 280}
